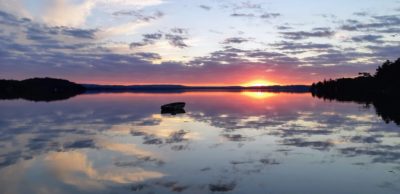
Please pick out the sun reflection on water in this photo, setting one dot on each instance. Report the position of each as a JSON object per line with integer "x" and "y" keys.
{"x": 258, "y": 94}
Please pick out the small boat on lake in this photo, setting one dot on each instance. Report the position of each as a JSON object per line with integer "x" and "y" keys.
{"x": 173, "y": 108}
{"x": 175, "y": 105}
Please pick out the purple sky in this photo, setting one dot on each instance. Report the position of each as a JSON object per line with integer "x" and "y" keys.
{"x": 199, "y": 42}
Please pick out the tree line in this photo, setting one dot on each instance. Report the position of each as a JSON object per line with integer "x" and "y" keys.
{"x": 382, "y": 90}
{"x": 39, "y": 89}
{"x": 385, "y": 81}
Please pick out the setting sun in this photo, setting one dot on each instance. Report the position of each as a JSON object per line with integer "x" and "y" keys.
{"x": 259, "y": 83}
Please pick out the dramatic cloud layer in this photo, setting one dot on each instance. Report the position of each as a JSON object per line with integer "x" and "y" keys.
{"x": 214, "y": 42}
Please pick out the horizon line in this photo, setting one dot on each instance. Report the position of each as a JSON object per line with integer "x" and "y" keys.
{"x": 159, "y": 84}
{"x": 183, "y": 85}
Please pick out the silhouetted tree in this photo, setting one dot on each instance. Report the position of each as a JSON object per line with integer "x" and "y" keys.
{"x": 382, "y": 90}
{"x": 39, "y": 89}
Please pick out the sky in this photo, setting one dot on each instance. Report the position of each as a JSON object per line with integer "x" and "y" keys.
{"x": 196, "y": 42}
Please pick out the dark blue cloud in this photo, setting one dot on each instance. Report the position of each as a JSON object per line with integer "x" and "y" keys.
{"x": 285, "y": 45}
{"x": 80, "y": 33}
{"x": 49, "y": 54}
{"x": 376, "y": 23}
{"x": 385, "y": 51}
{"x": 8, "y": 19}
{"x": 176, "y": 38}
{"x": 235, "y": 40}
{"x": 315, "y": 33}
{"x": 337, "y": 57}
{"x": 368, "y": 38}
{"x": 154, "y": 36}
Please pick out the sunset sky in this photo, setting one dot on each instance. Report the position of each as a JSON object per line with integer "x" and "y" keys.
{"x": 196, "y": 42}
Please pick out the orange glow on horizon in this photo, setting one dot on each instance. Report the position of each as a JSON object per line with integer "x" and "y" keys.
{"x": 248, "y": 84}
{"x": 259, "y": 83}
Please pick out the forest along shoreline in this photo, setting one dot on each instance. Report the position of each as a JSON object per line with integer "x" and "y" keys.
{"x": 382, "y": 90}
{"x": 51, "y": 89}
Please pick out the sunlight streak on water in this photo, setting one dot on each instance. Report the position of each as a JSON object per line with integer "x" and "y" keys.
{"x": 259, "y": 94}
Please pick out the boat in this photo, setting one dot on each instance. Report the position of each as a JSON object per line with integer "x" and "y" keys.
{"x": 173, "y": 106}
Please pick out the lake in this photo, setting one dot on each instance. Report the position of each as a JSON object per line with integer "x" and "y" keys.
{"x": 226, "y": 142}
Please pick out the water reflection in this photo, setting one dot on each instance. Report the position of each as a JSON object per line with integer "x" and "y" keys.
{"x": 386, "y": 106}
{"x": 225, "y": 142}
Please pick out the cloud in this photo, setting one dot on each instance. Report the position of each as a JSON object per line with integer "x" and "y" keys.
{"x": 16, "y": 7}
{"x": 384, "y": 52}
{"x": 44, "y": 36}
{"x": 151, "y": 37}
{"x": 66, "y": 13}
{"x": 284, "y": 27}
{"x": 316, "y": 33}
{"x": 71, "y": 13}
{"x": 9, "y": 19}
{"x": 176, "y": 38}
{"x": 205, "y": 7}
{"x": 248, "y": 15}
{"x": 30, "y": 49}
{"x": 336, "y": 57}
{"x": 247, "y": 5}
{"x": 270, "y": 15}
{"x": 140, "y": 16}
{"x": 368, "y": 38}
{"x": 377, "y": 23}
{"x": 179, "y": 30}
{"x": 80, "y": 33}
{"x": 252, "y": 15}
{"x": 235, "y": 40}
{"x": 148, "y": 39}
{"x": 124, "y": 3}
{"x": 137, "y": 44}
{"x": 248, "y": 9}
{"x": 148, "y": 56}
{"x": 293, "y": 46}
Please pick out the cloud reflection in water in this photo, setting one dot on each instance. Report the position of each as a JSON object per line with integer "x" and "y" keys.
{"x": 119, "y": 142}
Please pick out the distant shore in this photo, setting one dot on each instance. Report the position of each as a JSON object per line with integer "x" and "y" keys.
{"x": 52, "y": 89}
{"x": 181, "y": 88}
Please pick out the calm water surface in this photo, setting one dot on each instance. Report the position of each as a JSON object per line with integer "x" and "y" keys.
{"x": 247, "y": 142}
